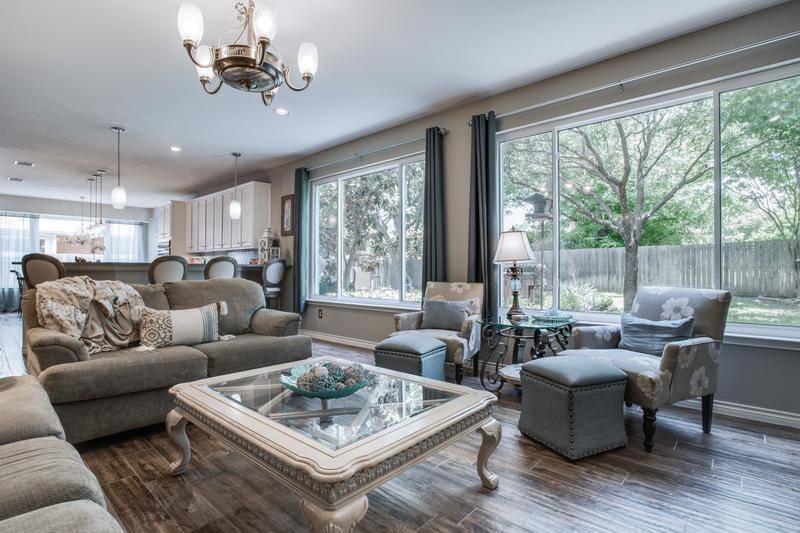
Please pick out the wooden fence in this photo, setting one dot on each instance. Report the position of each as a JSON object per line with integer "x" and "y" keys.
{"x": 762, "y": 268}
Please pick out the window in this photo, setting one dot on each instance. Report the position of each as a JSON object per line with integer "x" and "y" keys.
{"x": 760, "y": 153}
{"x": 638, "y": 201}
{"x": 367, "y": 233}
{"x": 118, "y": 242}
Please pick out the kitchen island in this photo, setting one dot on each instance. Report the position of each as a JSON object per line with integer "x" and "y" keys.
{"x": 137, "y": 272}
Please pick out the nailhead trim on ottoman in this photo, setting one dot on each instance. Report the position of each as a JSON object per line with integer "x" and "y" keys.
{"x": 573, "y": 420}
{"x": 414, "y": 354}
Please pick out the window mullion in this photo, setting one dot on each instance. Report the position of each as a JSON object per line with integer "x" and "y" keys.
{"x": 717, "y": 194}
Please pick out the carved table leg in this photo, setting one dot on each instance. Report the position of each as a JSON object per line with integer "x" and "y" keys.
{"x": 176, "y": 428}
{"x": 491, "y": 434}
{"x": 342, "y": 520}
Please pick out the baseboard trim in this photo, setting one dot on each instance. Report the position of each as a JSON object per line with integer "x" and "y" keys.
{"x": 749, "y": 412}
{"x": 338, "y": 339}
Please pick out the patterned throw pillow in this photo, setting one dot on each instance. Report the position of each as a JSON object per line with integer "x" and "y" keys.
{"x": 182, "y": 327}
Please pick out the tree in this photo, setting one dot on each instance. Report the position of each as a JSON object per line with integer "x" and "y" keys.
{"x": 762, "y": 123}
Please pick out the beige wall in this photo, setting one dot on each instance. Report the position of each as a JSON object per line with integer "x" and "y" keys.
{"x": 373, "y": 326}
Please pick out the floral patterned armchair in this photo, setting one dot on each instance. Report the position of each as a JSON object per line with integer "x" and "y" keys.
{"x": 461, "y": 345}
{"x": 686, "y": 369}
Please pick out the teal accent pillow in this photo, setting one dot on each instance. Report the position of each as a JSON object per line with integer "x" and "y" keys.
{"x": 650, "y": 336}
{"x": 439, "y": 314}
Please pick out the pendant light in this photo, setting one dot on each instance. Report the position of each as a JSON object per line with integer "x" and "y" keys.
{"x": 118, "y": 195}
{"x": 235, "y": 209}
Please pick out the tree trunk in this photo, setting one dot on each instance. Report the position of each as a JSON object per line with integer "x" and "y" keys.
{"x": 631, "y": 280}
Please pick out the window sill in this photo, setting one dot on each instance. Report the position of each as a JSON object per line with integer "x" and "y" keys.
{"x": 383, "y": 306}
{"x": 753, "y": 335}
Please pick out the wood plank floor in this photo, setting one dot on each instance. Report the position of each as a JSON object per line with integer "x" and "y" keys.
{"x": 744, "y": 476}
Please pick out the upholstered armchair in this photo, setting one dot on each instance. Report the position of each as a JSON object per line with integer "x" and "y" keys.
{"x": 685, "y": 369}
{"x": 462, "y": 345}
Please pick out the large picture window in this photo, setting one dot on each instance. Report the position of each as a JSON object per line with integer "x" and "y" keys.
{"x": 638, "y": 202}
{"x": 367, "y": 234}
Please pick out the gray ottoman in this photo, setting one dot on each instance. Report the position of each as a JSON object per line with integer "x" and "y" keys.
{"x": 573, "y": 405}
{"x": 412, "y": 353}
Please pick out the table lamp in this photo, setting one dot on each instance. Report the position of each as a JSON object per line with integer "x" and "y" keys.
{"x": 514, "y": 246}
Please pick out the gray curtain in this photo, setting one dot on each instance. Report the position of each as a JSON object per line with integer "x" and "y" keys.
{"x": 483, "y": 210}
{"x": 301, "y": 259}
{"x": 433, "y": 257}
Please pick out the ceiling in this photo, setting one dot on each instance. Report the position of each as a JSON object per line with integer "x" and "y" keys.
{"x": 70, "y": 70}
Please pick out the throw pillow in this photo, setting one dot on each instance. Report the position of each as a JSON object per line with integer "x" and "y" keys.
{"x": 650, "y": 336}
{"x": 445, "y": 315}
{"x": 182, "y": 327}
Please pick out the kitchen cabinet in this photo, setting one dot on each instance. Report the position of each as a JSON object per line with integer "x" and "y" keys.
{"x": 210, "y": 227}
{"x": 169, "y": 220}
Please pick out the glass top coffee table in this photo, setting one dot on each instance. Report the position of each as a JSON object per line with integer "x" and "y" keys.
{"x": 333, "y": 452}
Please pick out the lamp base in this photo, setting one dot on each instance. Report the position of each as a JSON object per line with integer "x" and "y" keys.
{"x": 515, "y": 312}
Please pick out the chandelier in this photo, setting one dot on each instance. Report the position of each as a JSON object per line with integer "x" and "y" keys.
{"x": 91, "y": 235}
{"x": 248, "y": 63}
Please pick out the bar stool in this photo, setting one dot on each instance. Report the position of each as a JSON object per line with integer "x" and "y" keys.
{"x": 38, "y": 268}
{"x": 222, "y": 266}
{"x": 271, "y": 277}
{"x": 167, "y": 268}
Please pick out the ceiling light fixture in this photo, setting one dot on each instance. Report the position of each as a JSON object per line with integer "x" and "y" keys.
{"x": 235, "y": 209}
{"x": 24, "y": 163}
{"x": 281, "y": 111}
{"x": 118, "y": 195}
{"x": 15, "y": 179}
{"x": 174, "y": 148}
{"x": 248, "y": 63}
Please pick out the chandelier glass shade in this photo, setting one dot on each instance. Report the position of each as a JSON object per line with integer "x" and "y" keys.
{"x": 235, "y": 209}
{"x": 118, "y": 195}
{"x": 248, "y": 63}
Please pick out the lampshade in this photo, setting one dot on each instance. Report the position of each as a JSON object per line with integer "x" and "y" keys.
{"x": 513, "y": 246}
{"x": 308, "y": 58}
{"x": 265, "y": 22}
{"x": 205, "y": 56}
{"x": 118, "y": 197}
{"x": 190, "y": 22}
{"x": 235, "y": 209}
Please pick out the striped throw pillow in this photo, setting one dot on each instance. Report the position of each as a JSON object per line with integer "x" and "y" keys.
{"x": 181, "y": 327}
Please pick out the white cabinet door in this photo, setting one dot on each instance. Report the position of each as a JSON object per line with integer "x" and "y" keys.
{"x": 167, "y": 227}
{"x": 248, "y": 216}
{"x": 219, "y": 216}
{"x": 201, "y": 225}
{"x": 236, "y": 225}
{"x": 226, "y": 221}
{"x": 189, "y": 230}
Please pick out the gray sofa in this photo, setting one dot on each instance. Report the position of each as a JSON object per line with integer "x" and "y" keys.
{"x": 110, "y": 392}
{"x": 46, "y": 486}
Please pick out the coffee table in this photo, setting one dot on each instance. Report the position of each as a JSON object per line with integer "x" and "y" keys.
{"x": 333, "y": 453}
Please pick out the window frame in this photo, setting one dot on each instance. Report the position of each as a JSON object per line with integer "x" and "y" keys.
{"x": 340, "y": 178}
{"x": 750, "y": 334}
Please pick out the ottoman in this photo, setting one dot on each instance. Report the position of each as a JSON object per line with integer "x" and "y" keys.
{"x": 412, "y": 353}
{"x": 573, "y": 405}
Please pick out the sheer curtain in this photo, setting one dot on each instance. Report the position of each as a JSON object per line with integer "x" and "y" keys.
{"x": 18, "y": 236}
{"x": 124, "y": 243}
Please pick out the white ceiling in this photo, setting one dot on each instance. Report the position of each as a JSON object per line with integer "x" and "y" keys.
{"x": 70, "y": 69}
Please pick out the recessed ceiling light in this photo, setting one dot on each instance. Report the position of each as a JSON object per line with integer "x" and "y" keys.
{"x": 24, "y": 163}
{"x": 174, "y": 148}
{"x": 281, "y": 111}
{"x": 15, "y": 179}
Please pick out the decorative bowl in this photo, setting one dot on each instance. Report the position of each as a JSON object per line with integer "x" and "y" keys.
{"x": 297, "y": 373}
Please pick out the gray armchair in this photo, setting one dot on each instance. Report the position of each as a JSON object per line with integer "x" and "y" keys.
{"x": 461, "y": 345}
{"x": 686, "y": 369}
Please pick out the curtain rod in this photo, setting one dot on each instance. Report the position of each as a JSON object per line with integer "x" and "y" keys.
{"x": 365, "y": 154}
{"x": 619, "y": 83}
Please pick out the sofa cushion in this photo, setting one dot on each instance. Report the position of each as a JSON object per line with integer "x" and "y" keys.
{"x": 248, "y": 351}
{"x": 154, "y": 295}
{"x": 242, "y": 296}
{"x": 445, "y": 315}
{"x": 40, "y": 472}
{"x": 79, "y": 515}
{"x": 648, "y": 385}
{"x": 180, "y": 327}
{"x": 123, "y": 372}
{"x": 26, "y": 409}
{"x": 650, "y": 336}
